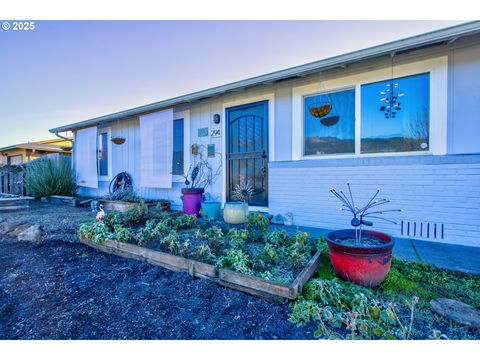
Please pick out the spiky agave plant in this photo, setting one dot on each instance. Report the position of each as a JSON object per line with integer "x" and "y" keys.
{"x": 49, "y": 176}
{"x": 360, "y": 213}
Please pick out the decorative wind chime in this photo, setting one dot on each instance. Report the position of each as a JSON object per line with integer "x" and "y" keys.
{"x": 390, "y": 98}
{"x": 322, "y": 108}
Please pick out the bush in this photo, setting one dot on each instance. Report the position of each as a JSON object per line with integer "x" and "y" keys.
{"x": 127, "y": 195}
{"x": 47, "y": 176}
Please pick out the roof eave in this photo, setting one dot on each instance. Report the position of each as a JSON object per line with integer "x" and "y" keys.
{"x": 410, "y": 43}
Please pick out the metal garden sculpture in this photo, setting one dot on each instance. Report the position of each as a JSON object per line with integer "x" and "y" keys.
{"x": 360, "y": 213}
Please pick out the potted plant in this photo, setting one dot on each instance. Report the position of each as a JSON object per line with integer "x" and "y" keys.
{"x": 361, "y": 256}
{"x": 164, "y": 205}
{"x": 199, "y": 176}
{"x": 211, "y": 207}
{"x": 237, "y": 212}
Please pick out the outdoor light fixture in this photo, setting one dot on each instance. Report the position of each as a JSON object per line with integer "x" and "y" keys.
{"x": 216, "y": 118}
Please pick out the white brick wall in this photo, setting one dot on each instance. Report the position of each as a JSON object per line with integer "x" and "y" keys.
{"x": 434, "y": 191}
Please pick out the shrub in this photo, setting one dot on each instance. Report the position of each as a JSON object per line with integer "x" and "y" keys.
{"x": 96, "y": 232}
{"x": 237, "y": 260}
{"x": 122, "y": 234}
{"x": 113, "y": 218}
{"x": 127, "y": 195}
{"x": 352, "y": 307}
{"x": 257, "y": 225}
{"x": 184, "y": 222}
{"x": 48, "y": 176}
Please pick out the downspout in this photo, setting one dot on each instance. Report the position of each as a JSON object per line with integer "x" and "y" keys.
{"x": 72, "y": 140}
{"x": 63, "y": 137}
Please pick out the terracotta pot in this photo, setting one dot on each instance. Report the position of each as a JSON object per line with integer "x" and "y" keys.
{"x": 364, "y": 265}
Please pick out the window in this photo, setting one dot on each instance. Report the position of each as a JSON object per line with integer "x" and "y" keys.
{"x": 395, "y": 115}
{"x": 103, "y": 154}
{"x": 178, "y": 152}
{"x": 333, "y": 133}
{"x": 15, "y": 159}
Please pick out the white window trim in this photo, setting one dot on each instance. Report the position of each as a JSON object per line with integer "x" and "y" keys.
{"x": 185, "y": 115}
{"x": 100, "y": 131}
{"x": 271, "y": 136}
{"x": 438, "y": 70}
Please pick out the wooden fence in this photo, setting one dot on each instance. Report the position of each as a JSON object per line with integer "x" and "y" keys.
{"x": 12, "y": 176}
{"x": 11, "y": 180}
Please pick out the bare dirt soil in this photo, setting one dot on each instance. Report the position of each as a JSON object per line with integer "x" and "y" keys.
{"x": 61, "y": 289}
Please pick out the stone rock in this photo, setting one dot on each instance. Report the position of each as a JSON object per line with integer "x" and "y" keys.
{"x": 457, "y": 311}
{"x": 21, "y": 228}
{"x": 277, "y": 219}
{"x": 9, "y": 226}
{"x": 32, "y": 234}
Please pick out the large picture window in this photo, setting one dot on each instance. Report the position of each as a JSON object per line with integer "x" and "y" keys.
{"x": 334, "y": 132}
{"x": 178, "y": 152}
{"x": 395, "y": 115}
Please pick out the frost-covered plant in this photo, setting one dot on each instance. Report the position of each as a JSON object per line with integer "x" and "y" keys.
{"x": 257, "y": 225}
{"x": 237, "y": 260}
{"x": 113, "y": 218}
{"x": 215, "y": 238}
{"x": 96, "y": 232}
{"x": 352, "y": 307}
{"x": 127, "y": 195}
{"x": 122, "y": 233}
{"x": 238, "y": 237}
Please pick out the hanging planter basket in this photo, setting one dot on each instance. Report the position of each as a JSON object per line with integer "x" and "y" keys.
{"x": 330, "y": 121}
{"x": 321, "y": 109}
{"x": 118, "y": 140}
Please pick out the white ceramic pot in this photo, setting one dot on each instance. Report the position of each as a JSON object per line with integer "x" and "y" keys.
{"x": 235, "y": 213}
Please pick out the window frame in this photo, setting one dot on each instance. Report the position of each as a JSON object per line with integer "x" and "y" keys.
{"x": 109, "y": 175}
{"x": 438, "y": 112}
{"x": 185, "y": 115}
{"x": 324, "y": 92}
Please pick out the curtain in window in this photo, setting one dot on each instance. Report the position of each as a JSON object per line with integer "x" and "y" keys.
{"x": 156, "y": 148}
{"x": 86, "y": 157}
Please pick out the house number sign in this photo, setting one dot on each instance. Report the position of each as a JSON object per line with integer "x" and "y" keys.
{"x": 215, "y": 132}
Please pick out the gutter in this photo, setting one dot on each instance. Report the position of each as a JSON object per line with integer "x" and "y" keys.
{"x": 430, "y": 38}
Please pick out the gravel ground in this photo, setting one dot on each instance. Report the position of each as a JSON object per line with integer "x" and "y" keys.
{"x": 61, "y": 289}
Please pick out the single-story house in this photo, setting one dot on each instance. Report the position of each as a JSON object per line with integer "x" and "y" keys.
{"x": 22, "y": 153}
{"x": 402, "y": 117}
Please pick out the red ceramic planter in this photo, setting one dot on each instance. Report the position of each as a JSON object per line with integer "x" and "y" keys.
{"x": 192, "y": 200}
{"x": 367, "y": 266}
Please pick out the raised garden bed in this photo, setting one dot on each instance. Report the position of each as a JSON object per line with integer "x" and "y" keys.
{"x": 63, "y": 200}
{"x": 122, "y": 206}
{"x": 267, "y": 289}
{"x": 251, "y": 258}
{"x": 14, "y": 202}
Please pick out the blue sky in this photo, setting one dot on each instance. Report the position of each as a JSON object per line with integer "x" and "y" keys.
{"x": 68, "y": 71}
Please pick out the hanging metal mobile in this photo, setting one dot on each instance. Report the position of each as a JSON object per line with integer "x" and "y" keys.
{"x": 390, "y": 98}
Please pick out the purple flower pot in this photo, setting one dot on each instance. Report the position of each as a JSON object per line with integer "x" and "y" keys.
{"x": 192, "y": 200}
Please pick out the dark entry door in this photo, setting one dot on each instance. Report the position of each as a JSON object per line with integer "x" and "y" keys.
{"x": 247, "y": 150}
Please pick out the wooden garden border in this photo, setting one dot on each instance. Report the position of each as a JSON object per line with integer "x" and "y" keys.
{"x": 266, "y": 289}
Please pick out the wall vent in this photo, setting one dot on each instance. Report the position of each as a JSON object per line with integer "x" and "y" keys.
{"x": 422, "y": 229}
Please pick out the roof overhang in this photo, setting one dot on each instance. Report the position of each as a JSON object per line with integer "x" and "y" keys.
{"x": 36, "y": 147}
{"x": 445, "y": 35}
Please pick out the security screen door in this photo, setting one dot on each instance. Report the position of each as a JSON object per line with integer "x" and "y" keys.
{"x": 247, "y": 150}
